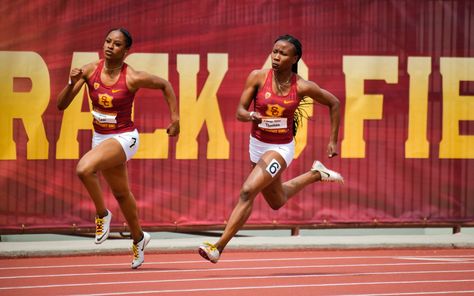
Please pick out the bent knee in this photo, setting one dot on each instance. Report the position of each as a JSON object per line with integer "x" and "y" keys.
{"x": 276, "y": 205}
{"x": 83, "y": 170}
{"x": 121, "y": 196}
{"x": 246, "y": 193}
{"x": 276, "y": 199}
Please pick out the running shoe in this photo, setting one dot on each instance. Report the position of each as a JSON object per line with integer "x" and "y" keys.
{"x": 326, "y": 174}
{"x": 102, "y": 227}
{"x": 139, "y": 250}
{"x": 209, "y": 252}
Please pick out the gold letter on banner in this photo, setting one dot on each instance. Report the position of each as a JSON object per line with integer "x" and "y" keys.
{"x": 456, "y": 108}
{"x": 74, "y": 119}
{"x": 152, "y": 145}
{"x": 359, "y": 106}
{"x": 417, "y": 145}
{"x": 193, "y": 112}
{"x": 301, "y": 138}
{"x": 27, "y": 106}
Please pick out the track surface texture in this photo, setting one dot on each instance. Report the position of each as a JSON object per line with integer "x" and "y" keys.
{"x": 340, "y": 272}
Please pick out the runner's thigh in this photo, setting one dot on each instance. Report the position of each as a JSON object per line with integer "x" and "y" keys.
{"x": 267, "y": 170}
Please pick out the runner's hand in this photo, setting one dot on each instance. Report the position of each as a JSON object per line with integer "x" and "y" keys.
{"x": 75, "y": 75}
{"x": 173, "y": 128}
{"x": 332, "y": 149}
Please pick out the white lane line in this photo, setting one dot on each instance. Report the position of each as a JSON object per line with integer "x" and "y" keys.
{"x": 279, "y": 287}
{"x": 450, "y": 258}
{"x": 463, "y": 257}
{"x": 471, "y": 292}
{"x": 213, "y": 279}
{"x": 144, "y": 271}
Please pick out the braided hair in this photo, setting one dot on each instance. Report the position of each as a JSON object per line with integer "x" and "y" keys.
{"x": 300, "y": 113}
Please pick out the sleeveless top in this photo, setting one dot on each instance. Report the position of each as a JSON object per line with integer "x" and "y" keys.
{"x": 278, "y": 112}
{"x": 111, "y": 104}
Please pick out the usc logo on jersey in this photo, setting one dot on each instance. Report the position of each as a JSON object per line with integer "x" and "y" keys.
{"x": 105, "y": 100}
{"x": 274, "y": 110}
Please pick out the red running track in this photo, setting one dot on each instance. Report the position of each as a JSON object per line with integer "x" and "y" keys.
{"x": 343, "y": 272}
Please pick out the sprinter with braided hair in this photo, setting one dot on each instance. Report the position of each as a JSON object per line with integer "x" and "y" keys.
{"x": 276, "y": 94}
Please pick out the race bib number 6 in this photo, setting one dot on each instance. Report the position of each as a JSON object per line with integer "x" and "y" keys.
{"x": 273, "y": 167}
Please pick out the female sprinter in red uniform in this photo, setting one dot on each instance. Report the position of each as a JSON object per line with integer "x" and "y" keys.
{"x": 112, "y": 86}
{"x": 276, "y": 94}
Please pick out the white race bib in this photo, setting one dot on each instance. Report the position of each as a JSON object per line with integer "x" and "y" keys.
{"x": 104, "y": 118}
{"x": 273, "y": 123}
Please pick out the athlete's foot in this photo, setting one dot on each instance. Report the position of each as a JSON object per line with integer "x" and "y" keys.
{"x": 102, "y": 227}
{"x": 326, "y": 174}
{"x": 139, "y": 250}
{"x": 209, "y": 252}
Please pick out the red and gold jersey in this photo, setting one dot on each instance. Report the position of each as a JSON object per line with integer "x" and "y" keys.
{"x": 278, "y": 112}
{"x": 111, "y": 104}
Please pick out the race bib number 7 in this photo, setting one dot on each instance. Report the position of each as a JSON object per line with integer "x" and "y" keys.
{"x": 104, "y": 118}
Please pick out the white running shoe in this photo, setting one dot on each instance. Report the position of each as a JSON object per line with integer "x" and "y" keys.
{"x": 139, "y": 250}
{"x": 326, "y": 174}
{"x": 102, "y": 227}
{"x": 209, "y": 252}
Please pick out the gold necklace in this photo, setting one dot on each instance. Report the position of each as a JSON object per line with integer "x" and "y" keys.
{"x": 280, "y": 84}
{"x": 112, "y": 69}
{"x": 283, "y": 83}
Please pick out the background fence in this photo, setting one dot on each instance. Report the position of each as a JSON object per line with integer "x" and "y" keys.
{"x": 403, "y": 70}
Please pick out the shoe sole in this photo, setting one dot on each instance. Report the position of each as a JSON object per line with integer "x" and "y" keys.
{"x": 204, "y": 255}
{"x": 138, "y": 265}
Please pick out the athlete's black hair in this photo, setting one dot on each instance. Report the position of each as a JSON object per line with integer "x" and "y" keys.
{"x": 297, "y": 44}
{"x": 126, "y": 33}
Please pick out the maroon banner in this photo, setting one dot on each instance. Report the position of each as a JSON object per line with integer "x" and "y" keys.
{"x": 403, "y": 71}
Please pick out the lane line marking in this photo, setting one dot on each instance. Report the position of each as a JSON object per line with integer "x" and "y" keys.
{"x": 466, "y": 257}
{"x": 450, "y": 258}
{"x": 277, "y": 287}
{"x": 143, "y": 271}
{"x": 415, "y": 293}
{"x": 206, "y": 279}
